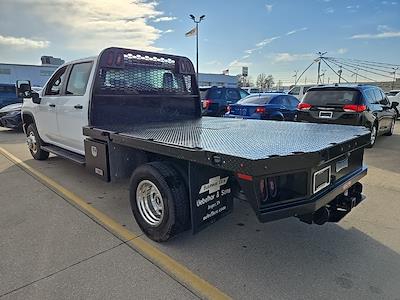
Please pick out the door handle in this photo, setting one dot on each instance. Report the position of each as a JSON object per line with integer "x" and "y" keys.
{"x": 52, "y": 105}
{"x": 78, "y": 106}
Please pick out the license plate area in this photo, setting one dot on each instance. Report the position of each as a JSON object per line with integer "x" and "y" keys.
{"x": 325, "y": 115}
{"x": 321, "y": 179}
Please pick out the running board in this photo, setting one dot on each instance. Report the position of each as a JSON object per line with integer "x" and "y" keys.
{"x": 77, "y": 158}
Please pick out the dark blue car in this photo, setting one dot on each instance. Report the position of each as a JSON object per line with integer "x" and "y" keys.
{"x": 8, "y": 95}
{"x": 266, "y": 106}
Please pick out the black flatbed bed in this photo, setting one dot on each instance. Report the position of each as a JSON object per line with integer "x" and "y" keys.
{"x": 240, "y": 143}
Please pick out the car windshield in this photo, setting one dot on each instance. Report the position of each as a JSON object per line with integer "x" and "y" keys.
{"x": 255, "y": 100}
{"x": 393, "y": 93}
{"x": 331, "y": 97}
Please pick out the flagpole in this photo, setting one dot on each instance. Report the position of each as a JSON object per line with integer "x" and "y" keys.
{"x": 197, "y": 42}
{"x": 197, "y": 51}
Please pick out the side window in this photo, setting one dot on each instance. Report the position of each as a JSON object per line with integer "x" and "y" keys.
{"x": 277, "y": 101}
{"x": 78, "y": 79}
{"x": 378, "y": 96}
{"x": 385, "y": 100}
{"x": 370, "y": 96}
{"x": 232, "y": 94}
{"x": 56, "y": 82}
{"x": 293, "y": 101}
{"x": 243, "y": 93}
{"x": 295, "y": 91}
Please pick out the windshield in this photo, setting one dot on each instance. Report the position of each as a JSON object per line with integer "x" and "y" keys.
{"x": 331, "y": 97}
{"x": 255, "y": 100}
{"x": 393, "y": 93}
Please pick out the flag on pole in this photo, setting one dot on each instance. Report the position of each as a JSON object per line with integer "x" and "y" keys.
{"x": 191, "y": 32}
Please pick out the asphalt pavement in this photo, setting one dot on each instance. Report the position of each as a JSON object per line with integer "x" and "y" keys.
{"x": 50, "y": 249}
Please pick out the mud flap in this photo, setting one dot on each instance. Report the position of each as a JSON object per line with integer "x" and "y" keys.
{"x": 211, "y": 195}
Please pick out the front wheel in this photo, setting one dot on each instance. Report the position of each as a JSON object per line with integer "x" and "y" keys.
{"x": 159, "y": 201}
{"x": 34, "y": 143}
{"x": 374, "y": 133}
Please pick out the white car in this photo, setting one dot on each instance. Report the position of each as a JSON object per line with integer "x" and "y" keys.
{"x": 299, "y": 90}
{"x": 394, "y": 95}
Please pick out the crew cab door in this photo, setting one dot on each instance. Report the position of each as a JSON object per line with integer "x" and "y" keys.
{"x": 46, "y": 115}
{"x": 72, "y": 113}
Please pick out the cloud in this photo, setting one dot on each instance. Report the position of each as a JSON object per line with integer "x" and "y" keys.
{"x": 89, "y": 26}
{"x": 23, "y": 43}
{"x": 370, "y": 36}
{"x": 342, "y": 50}
{"x": 168, "y": 31}
{"x": 268, "y": 7}
{"x": 296, "y": 30}
{"x": 164, "y": 19}
{"x": 238, "y": 63}
{"x": 267, "y": 41}
{"x": 287, "y": 57}
{"x": 329, "y": 10}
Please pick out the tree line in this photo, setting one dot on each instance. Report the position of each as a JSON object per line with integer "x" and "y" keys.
{"x": 263, "y": 81}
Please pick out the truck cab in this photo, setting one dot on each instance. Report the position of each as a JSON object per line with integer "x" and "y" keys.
{"x": 60, "y": 109}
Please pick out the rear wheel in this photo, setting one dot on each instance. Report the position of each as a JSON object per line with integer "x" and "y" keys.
{"x": 159, "y": 201}
{"x": 391, "y": 131}
{"x": 34, "y": 143}
{"x": 374, "y": 133}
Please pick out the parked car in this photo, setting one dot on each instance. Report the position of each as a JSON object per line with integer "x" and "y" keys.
{"x": 394, "y": 95}
{"x": 363, "y": 105}
{"x": 10, "y": 116}
{"x": 217, "y": 99}
{"x": 299, "y": 91}
{"x": 252, "y": 90}
{"x": 7, "y": 95}
{"x": 266, "y": 106}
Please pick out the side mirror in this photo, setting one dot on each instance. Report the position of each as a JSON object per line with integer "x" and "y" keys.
{"x": 35, "y": 97}
{"x": 23, "y": 88}
{"x": 395, "y": 104}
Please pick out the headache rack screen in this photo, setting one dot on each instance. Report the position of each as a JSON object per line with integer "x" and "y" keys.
{"x": 134, "y": 87}
{"x": 143, "y": 73}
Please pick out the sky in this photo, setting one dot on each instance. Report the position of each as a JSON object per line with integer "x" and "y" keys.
{"x": 272, "y": 37}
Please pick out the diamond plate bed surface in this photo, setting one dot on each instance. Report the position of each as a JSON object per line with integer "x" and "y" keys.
{"x": 250, "y": 139}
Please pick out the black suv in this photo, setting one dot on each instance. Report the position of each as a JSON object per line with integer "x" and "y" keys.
{"x": 215, "y": 100}
{"x": 364, "y": 105}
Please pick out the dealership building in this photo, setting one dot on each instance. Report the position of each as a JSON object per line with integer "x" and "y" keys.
{"x": 39, "y": 74}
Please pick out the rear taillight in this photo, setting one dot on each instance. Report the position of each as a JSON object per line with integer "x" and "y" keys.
{"x": 260, "y": 110}
{"x": 354, "y": 108}
{"x": 304, "y": 106}
{"x": 228, "y": 109}
{"x": 206, "y": 104}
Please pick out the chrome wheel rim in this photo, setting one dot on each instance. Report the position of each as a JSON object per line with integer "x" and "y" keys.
{"x": 150, "y": 202}
{"x": 373, "y": 135}
{"x": 32, "y": 144}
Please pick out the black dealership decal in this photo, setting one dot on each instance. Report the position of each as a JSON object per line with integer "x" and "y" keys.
{"x": 211, "y": 195}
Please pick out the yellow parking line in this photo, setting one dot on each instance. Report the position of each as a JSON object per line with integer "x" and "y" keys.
{"x": 179, "y": 272}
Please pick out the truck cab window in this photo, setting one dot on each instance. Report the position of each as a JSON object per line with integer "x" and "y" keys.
{"x": 56, "y": 82}
{"x": 78, "y": 79}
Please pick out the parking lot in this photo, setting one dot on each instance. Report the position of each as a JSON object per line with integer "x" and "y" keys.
{"x": 52, "y": 247}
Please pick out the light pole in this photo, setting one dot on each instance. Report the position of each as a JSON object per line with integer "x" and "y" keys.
{"x": 197, "y": 41}
{"x": 295, "y": 76}
{"x": 340, "y": 73}
{"x": 394, "y": 76}
{"x": 320, "y": 56}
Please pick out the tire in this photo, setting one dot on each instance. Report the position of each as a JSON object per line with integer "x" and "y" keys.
{"x": 159, "y": 201}
{"x": 35, "y": 143}
{"x": 391, "y": 131}
{"x": 374, "y": 134}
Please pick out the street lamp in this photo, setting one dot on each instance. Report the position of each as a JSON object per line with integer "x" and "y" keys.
{"x": 197, "y": 41}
